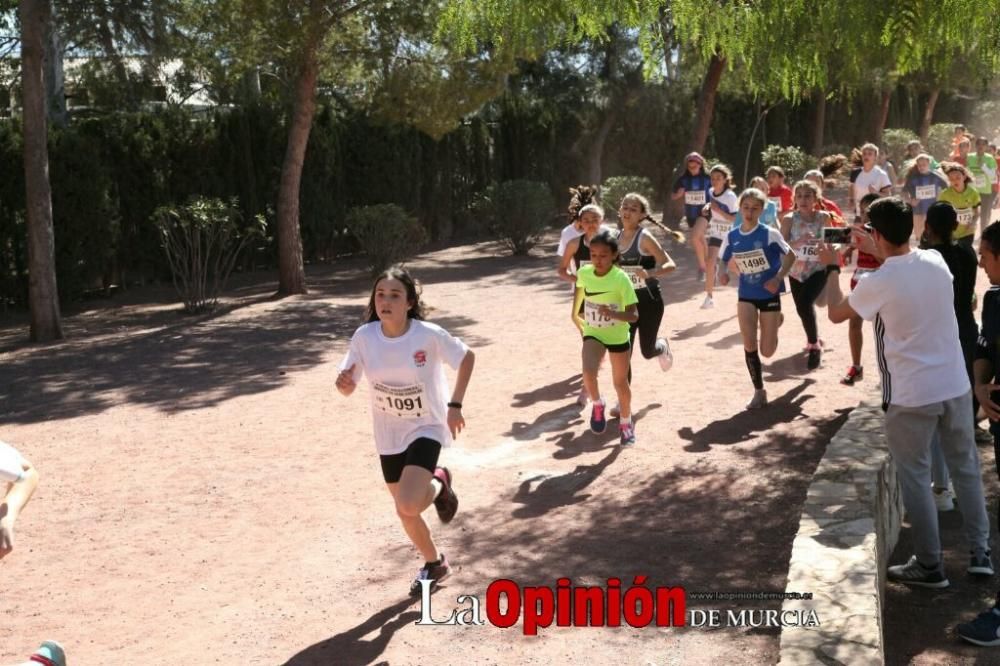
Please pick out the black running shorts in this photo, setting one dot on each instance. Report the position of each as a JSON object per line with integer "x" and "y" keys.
{"x": 617, "y": 349}
{"x": 422, "y": 452}
{"x": 772, "y": 304}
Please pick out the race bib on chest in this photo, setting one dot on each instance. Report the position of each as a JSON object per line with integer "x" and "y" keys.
{"x": 593, "y": 316}
{"x": 752, "y": 262}
{"x": 981, "y": 183}
{"x": 966, "y": 217}
{"x": 633, "y": 275}
{"x": 719, "y": 229}
{"x": 694, "y": 198}
{"x": 926, "y": 192}
{"x": 808, "y": 252}
{"x": 405, "y": 402}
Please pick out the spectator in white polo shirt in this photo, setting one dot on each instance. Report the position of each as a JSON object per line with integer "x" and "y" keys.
{"x": 924, "y": 384}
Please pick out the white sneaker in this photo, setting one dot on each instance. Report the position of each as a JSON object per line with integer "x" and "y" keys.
{"x": 943, "y": 501}
{"x": 615, "y": 411}
{"x": 708, "y": 303}
{"x": 583, "y": 398}
{"x": 758, "y": 400}
{"x": 666, "y": 358}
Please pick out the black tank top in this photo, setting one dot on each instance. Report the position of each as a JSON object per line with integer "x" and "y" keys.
{"x": 633, "y": 256}
{"x": 582, "y": 252}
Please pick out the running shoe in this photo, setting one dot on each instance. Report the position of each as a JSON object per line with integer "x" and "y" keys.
{"x": 49, "y": 653}
{"x": 627, "y": 431}
{"x": 708, "y": 303}
{"x": 980, "y": 565}
{"x": 984, "y": 630}
{"x": 582, "y": 398}
{"x": 983, "y": 436}
{"x": 665, "y": 357}
{"x": 598, "y": 422}
{"x": 615, "y": 411}
{"x": 435, "y": 572}
{"x": 855, "y": 373}
{"x": 815, "y": 354}
{"x": 914, "y": 573}
{"x": 446, "y": 501}
{"x": 758, "y": 400}
{"x": 943, "y": 501}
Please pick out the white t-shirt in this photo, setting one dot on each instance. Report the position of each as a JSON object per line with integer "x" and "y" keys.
{"x": 911, "y": 300}
{"x": 11, "y": 464}
{"x": 877, "y": 177}
{"x": 568, "y": 233}
{"x": 406, "y": 382}
{"x": 717, "y": 226}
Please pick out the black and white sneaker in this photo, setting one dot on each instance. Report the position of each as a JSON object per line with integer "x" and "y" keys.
{"x": 981, "y": 565}
{"x": 915, "y": 573}
{"x": 435, "y": 572}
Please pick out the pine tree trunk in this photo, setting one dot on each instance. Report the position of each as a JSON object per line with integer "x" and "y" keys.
{"x": 928, "y": 117}
{"x": 595, "y": 155}
{"x": 291, "y": 270}
{"x": 883, "y": 115}
{"x": 43, "y": 296}
{"x": 55, "y": 82}
{"x": 705, "y": 110}
{"x": 819, "y": 123}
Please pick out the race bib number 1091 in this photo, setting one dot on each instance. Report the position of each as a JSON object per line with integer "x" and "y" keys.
{"x": 406, "y": 402}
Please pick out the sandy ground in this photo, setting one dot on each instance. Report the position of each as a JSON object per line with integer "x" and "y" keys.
{"x": 208, "y": 497}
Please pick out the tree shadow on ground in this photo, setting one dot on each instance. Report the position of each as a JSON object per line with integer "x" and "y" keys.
{"x": 349, "y": 647}
{"x": 570, "y": 444}
{"x": 728, "y": 342}
{"x": 700, "y": 329}
{"x": 188, "y": 365}
{"x": 560, "y": 390}
{"x": 742, "y": 426}
{"x": 553, "y": 492}
{"x": 693, "y": 525}
{"x": 554, "y": 420}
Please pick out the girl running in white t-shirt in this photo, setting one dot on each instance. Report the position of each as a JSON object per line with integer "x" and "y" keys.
{"x": 803, "y": 229}
{"x": 414, "y": 416}
{"x": 721, "y": 211}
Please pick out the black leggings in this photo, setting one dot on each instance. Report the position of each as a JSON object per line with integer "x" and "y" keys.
{"x": 650, "y": 309}
{"x": 805, "y": 294}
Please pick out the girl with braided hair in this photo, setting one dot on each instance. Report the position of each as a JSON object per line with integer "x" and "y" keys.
{"x": 580, "y": 196}
{"x": 644, "y": 261}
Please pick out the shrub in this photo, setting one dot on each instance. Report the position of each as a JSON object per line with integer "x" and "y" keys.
{"x": 386, "y": 234}
{"x": 516, "y": 211}
{"x": 895, "y": 141}
{"x": 614, "y": 190}
{"x": 792, "y": 159}
{"x": 939, "y": 138}
{"x": 202, "y": 240}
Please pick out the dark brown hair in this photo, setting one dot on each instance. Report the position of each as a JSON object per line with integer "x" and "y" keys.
{"x": 417, "y": 308}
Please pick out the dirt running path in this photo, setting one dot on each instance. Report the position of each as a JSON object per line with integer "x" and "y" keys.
{"x": 208, "y": 497}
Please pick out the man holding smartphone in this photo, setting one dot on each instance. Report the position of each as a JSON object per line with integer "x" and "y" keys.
{"x": 925, "y": 388}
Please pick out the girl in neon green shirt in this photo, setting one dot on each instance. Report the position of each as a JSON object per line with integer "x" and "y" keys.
{"x": 609, "y": 305}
